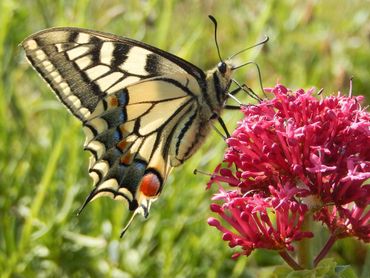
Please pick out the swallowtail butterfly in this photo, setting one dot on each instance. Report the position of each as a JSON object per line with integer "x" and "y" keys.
{"x": 143, "y": 110}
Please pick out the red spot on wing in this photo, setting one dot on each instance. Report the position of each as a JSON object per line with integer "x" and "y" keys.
{"x": 150, "y": 185}
{"x": 113, "y": 101}
{"x": 126, "y": 159}
{"x": 122, "y": 145}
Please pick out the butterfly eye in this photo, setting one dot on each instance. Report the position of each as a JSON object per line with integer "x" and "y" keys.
{"x": 222, "y": 67}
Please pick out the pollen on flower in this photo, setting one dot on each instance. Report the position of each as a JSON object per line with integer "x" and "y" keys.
{"x": 290, "y": 156}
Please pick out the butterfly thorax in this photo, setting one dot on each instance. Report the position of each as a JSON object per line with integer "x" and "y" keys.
{"x": 193, "y": 129}
{"x": 218, "y": 83}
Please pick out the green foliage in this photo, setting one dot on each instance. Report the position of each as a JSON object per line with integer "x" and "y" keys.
{"x": 327, "y": 268}
{"x": 43, "y": 179}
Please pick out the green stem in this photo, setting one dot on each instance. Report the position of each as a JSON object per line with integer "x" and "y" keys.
{"x": 304, "y": 246}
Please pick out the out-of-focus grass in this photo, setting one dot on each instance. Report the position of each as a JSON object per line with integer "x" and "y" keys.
{"x": 43, "y": 176}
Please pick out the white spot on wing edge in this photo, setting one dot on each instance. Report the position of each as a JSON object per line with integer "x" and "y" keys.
{"x": 85, "y": 112}
{"x": 92, "y": 161}
{"x": 40, "y": 55}
{"x": 89, "y": 134}
{"x": 95, "y": 177}
{"x": 126, "y": 192}
{"x": 101, "y": 194}
{"x": 83, "y": 38}
{"x": 74, "y": 101}
{"x": 31, "y": 45}
{"x": 102, "y": 166}
{"x": 111, "y": 183}
{"x": 48, "y": 66}
{"x": 98, "y": 147}
{"x": 66, "y": 90}
{"x": 57, "y": 78}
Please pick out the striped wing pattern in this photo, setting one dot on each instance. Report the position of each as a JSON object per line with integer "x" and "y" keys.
{"x": 138, "y": 106}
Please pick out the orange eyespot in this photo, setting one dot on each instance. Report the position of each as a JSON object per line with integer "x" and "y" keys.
{"x": 126, "y": 159}
{"x": 150, "y": 185}
{"x": 122, "y": 144}
{"x": 113, "y": 101}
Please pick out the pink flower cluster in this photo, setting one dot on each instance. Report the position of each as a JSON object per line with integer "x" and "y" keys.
{"x": 290, "y": 157}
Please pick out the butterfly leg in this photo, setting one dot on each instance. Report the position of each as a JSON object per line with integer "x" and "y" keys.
{"x": 223, "y": 125}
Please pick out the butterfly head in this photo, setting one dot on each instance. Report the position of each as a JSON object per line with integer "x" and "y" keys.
{"x": 225, "y": 69}
{"x": 222, "y": 77}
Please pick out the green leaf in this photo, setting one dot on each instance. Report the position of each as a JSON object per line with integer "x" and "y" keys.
{"x": 281, "y": 271}
{"x": 326, "y": 268}
{"x": 345, "y": 271}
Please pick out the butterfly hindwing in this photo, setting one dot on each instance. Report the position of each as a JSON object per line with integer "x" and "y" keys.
{"x": 134, "y": 133}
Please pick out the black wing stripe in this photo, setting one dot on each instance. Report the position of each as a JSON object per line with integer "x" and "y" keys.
{"x": 185, "y": 129}
{"x": 119, "y": 54}
{"x": 152, "y": 64}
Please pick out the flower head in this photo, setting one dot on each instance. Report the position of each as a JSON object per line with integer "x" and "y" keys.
{"x": 250, "y": 216}
{"x": 291, "y": 156}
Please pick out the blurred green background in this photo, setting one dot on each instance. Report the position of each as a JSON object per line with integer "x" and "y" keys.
{"x": 43, "y": 170}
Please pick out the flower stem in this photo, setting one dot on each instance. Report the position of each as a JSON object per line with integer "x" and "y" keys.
{"x": 325, "y": 250}
{"x": 289, "y": 260}
{"x": 304, "y": 246}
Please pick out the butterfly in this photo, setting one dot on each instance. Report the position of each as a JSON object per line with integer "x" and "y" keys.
{"x": 143, "y": 110}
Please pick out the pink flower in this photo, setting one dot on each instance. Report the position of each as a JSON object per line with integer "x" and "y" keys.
{"x": 292, "y": 156}
{"x": 250, "y": 216}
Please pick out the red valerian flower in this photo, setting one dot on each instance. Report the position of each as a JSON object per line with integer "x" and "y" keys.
{"x": 249, "y": 215}
{"x": 292, "y": 156}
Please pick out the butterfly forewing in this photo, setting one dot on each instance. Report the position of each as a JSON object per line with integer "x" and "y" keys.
{"x": 143, "y": 110}
{"x": 83, "y": 66}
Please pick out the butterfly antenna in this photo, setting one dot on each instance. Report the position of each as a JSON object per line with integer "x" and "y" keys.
{"x": 215, "y": 23}
{"x": 265, "y": 40}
